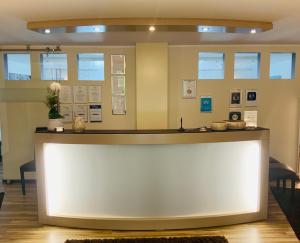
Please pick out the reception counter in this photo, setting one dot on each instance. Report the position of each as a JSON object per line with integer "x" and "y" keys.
{"x": 152, "y": 179}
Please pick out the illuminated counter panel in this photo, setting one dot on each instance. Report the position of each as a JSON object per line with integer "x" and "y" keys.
{"x": 158, "y": 185}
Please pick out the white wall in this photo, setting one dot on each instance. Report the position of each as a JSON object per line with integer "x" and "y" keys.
{"x": 277, "y": 99}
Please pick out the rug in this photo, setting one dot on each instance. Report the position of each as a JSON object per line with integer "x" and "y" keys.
{"x": 204, "y": 239}
{"x": 290, "y": 207}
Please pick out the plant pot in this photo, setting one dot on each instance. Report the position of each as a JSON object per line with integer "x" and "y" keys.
{"x": 53, "y": 123}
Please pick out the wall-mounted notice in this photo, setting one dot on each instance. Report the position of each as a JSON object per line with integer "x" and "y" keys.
{"x": 206, "y": 104}
{"x": 250, "y": 117}
{"x": 118, "y": 64}
{"x": 81, "y": 110}
{"x": 80, "y": 94}
{"x": 118, "y": 105}
{"x": 251, "y": 97}
{"x": 189, "y": 88}
{"x": 66, "y": 110}
{"x": 95, "y": 113}
{"x": 118, "y": 85}
{"x": 65, "y": 95}
{"x": 94, "y": 94}
{"x": 235, "y": 98}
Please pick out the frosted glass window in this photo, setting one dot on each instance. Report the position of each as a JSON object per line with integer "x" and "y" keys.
{"x": 247, "y": 65}
{"x": 211, "y": 65}
{"x": 54, "y": 66}
{"x": 17, "y": 66}
{"x": 90, "y": 66}
{"x": 282, "y": 65}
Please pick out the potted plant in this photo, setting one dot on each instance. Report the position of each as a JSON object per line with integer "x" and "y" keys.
{"x": 52, "y": 101}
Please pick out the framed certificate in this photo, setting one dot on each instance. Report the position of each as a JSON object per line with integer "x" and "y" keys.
{"x": 118, "y": 85}
{"x": 118, "y": 64}
{"x": 119, "y": 105}
{"x": 189, "y": 89}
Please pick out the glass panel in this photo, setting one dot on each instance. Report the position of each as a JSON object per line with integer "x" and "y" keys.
{"x": 282, "y": 65}
{"x": 17, "y": 66}
{"x": 211, "y": 65}
{"x": 54, "y": 66}
{"x": 247, "y": 65}
{"x": 90, "y": 66}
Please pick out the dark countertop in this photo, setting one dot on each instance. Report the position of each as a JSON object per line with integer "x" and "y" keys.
{"x": 158, "y": 131}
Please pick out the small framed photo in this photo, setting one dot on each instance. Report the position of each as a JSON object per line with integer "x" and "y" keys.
{"x": 206, "y": 104}
{"x": 235, "y": 115}
{"x": 251, "y": 97}
{"x": 235, "y": 98}
{"x": 189, "y": 89}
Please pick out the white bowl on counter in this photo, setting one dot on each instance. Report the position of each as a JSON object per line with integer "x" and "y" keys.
{"x": 218, "y": 126}
{"x": 236, "y": 125}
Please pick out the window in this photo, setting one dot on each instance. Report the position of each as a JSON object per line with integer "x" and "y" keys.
{"x": 90, "y": 66}
{"x": 17, "y": 66}
{"x": 211, "y": 65}
{"x": 247, "y": 65}
{"x": 54, "y": 66}
{"x": 282, "y": 65}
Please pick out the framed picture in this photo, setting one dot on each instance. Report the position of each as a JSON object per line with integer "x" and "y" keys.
{"x": 235, "y": 98}
{"x": 250, "y": 117}
{"x": 189, "y": 89}
{"x": 118, "y": 85}
{"x": 119, "y": 105}
{"x": 118, "y": 64}
{"x": 251, "y": 97}
{"x": 206, "y": 104}
{"x": 235, "y": 115}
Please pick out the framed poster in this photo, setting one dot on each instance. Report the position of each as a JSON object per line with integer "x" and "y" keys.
{"x": 80, "y": 94}
{"x": 206, "y": 104}
{"x": 251, "y": 97}
{"x": 94, "y": 94}
{"x": 95, "y": 113}
{"x": 66, "y": 95}
{"x": 235, "y": 98}
{"x": 189, "y": 89}
{"x": 119, "y": 105}
{"x": 66, "y": 110}
{"x": 118, "y": 85}
{"x": 250, "y": 117}
{"x": 235, "y": 115}
{"x": 81, "y": 110}
{"x": 118, "y": 64}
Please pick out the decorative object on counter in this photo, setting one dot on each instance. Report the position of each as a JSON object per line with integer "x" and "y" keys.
{"x": 235, "y": 98}
{"x": 203, "y": 129}
{"x": 78, "y": 124}
{"x": 250, "y": 117}
{"x": 218, "y": 126}
{"x": 236, "y": 125}
{"x": 251, "y": 97}
{"x": 52, "y": 101}
{"x": 206, "y": 104}
{"x": 181, "y": 129}
{"x": 189, "y": 89}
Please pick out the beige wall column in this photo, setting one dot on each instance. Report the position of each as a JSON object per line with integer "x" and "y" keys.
{"x": 152, "y": 85}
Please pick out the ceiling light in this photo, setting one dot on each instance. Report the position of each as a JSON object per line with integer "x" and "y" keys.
{"x": 47, "y": 31}
{"x": 152, "y": 28}
{"x": 253, "y": 31}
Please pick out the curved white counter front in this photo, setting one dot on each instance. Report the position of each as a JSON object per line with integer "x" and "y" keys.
{"x": 152, "y": 180}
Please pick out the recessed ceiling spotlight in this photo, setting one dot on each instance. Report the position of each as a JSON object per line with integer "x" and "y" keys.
{"x": 253, "y": 31}
{"x": 47, "y": 31}
{"x": 152, "y": 28}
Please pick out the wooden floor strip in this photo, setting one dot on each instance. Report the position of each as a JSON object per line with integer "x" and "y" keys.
{"x": 19, "y": 223}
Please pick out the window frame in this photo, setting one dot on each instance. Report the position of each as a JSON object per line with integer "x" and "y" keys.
{"x": 92, "y": 80}
{"x": 224, "y": 65}
{"x": 293, "y": 66}
{"x": 42, "y": 64}
{"x": 258, "y": 64}
{"x": 5, "y": 66}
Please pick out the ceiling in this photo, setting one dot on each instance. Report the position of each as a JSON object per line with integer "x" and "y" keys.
{"x": 14, "y": 15}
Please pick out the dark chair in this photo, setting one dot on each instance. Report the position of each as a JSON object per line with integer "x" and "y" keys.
{"x": 27, "y": 167}
{"x": 281, "y": 172}
{"x": 1, "y": 198}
